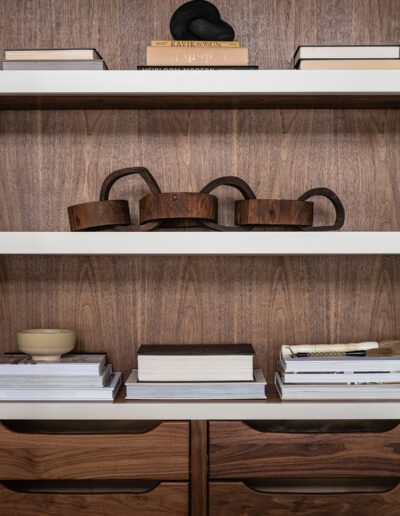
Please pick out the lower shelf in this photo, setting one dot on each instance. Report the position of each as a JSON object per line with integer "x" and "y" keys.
{"x": 200, "y": 410}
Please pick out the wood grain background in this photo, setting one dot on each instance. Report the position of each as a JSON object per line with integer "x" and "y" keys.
{"x": 50, "y": 160}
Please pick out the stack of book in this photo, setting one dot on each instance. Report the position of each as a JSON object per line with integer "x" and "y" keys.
{"x": 348, "y": 57}
{"x": 200, "y": 372}
{"x": 197, "y": 55}
{"x": 54, "y": 59}
{"x": 366, "y": 371}
{"x": 73, "y": 378}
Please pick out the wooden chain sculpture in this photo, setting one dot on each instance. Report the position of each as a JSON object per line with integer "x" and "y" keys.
{"x": 159, "y": 210}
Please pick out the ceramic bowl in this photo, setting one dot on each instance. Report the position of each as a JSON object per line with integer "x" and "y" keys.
{"x": 46, "y": 345}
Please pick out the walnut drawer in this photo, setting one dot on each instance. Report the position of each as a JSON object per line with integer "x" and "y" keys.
{"x": 238, "y": 450}
{"x": 138, "y": 450}
{"x": 228, "y": 498}
{"x": 166, "y": 499}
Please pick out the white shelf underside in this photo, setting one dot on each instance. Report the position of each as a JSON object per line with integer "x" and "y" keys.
{"x": 199, "y": 243}
{"x": 234, "y": 410}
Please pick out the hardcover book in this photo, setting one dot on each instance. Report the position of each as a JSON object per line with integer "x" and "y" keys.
{"x": 195, "y": 363}
{"x": 254, "y": 389}
{"x": 159, "y": 56}
{"x": 349, "y": 64}
{"x": 74, "y": 364}
{"x": 346, "y": 52}
{"x": 52, "y": 54}
{"x": 54, "y": 65}
{"x": 77, "y": 393}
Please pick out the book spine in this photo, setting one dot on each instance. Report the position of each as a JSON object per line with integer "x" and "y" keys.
{"x": 197, "y": 56}
{"x": 194, "y": 44}
{"x": 189, "y": 68}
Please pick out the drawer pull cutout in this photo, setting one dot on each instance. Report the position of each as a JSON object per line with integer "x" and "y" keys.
{"x": 80, "y": 486}
{"x": 322, "y": 426}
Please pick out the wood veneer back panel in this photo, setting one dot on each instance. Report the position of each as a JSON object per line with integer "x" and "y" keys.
{"x": 49, "y": 160}
{"x": 118, "y": 303}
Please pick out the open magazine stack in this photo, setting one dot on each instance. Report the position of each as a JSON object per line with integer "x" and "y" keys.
{"x": 75, "y": 377}
{"x": 360, "y": 371}
{"x": 196, "y": 372}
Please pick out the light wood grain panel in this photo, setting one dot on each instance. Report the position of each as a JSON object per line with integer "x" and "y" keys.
{"x": 161, "y": 453}
{"x": 168, "y": 498}
{"x": 118, "y": 303}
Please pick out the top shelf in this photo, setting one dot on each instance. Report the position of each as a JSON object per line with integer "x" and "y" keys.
{"x": 220, "y": 89}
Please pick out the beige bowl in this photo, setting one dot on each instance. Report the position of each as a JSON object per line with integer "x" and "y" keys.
{"x": 46, "y": 345}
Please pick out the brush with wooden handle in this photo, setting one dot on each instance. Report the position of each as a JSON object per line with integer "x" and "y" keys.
{"x": 355, "y": 349}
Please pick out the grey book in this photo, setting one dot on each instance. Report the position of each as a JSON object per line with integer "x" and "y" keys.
{"x": 17, "y": 364}
{"x": 336, "y": 392}
{"x": 195, "y": 363}
{"x": 254, "y": 389}
{"x": 54, "y": 65}
{"x": 106, "y": 393}
{"x": 56, "y": 380}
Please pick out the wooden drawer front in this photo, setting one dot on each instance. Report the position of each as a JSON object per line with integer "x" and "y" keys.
{"x": 169, "y": 499}
{"x": 231, "y": 498}
{"x": 239, "y": 451}
{"x": 160, "y": 453}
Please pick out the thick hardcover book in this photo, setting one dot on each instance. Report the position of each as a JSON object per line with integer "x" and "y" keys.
{"x": 191, "y": 68}
{"x": 158, "y": 56}
{"x": 76, "y": 393}
{"x": 346, "y": 52}
{"x": 195, "y": 363}
{"x": 52, "y": 54}
{"x": 349, "y": 64}
{"x": 195, "y": 44}
{"x": 55, "y": 65}
{"x": 85, "y": 364}
{"x": 254, "y": 389}
{"x": 336, "y": 392}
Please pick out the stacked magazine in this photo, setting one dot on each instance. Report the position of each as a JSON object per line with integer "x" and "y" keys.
{"x": 77, "y": 377}
{"x": 366, "y": 371}
{"x": 199, "y": 372}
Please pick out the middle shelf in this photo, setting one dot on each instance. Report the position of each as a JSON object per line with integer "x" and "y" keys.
{"x": 200, "y": 243}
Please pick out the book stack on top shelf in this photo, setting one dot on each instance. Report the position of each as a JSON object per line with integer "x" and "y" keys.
{"x": 348, "y": 57}
{"x": 360, "y": 371}
{"x": 201, "y": 372}
{"x": 197, "y": 55}
{"x": 78, "y": 377}
{"x": 54, "y": 59}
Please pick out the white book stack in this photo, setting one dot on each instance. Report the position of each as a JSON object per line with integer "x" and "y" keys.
{"x": 367, "y": 371}
{"x": 75, "y": 377}
{"x": 201, "y": 372}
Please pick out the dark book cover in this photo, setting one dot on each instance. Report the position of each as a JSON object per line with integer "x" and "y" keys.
{"x": 158, "y": 68}
{"x": 196, "y": 349}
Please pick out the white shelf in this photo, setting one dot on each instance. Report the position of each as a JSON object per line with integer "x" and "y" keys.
{"x": 232, "y": 88}
{"x": 199, "y": 243}
{"x": 268, "y": 410}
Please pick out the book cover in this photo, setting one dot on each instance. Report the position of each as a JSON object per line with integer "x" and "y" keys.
{"x": 195, "y": 349}
{"x": 194, "y": 44}
{"x": 158, "y": 56}
{"x": 200, "y": 68}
